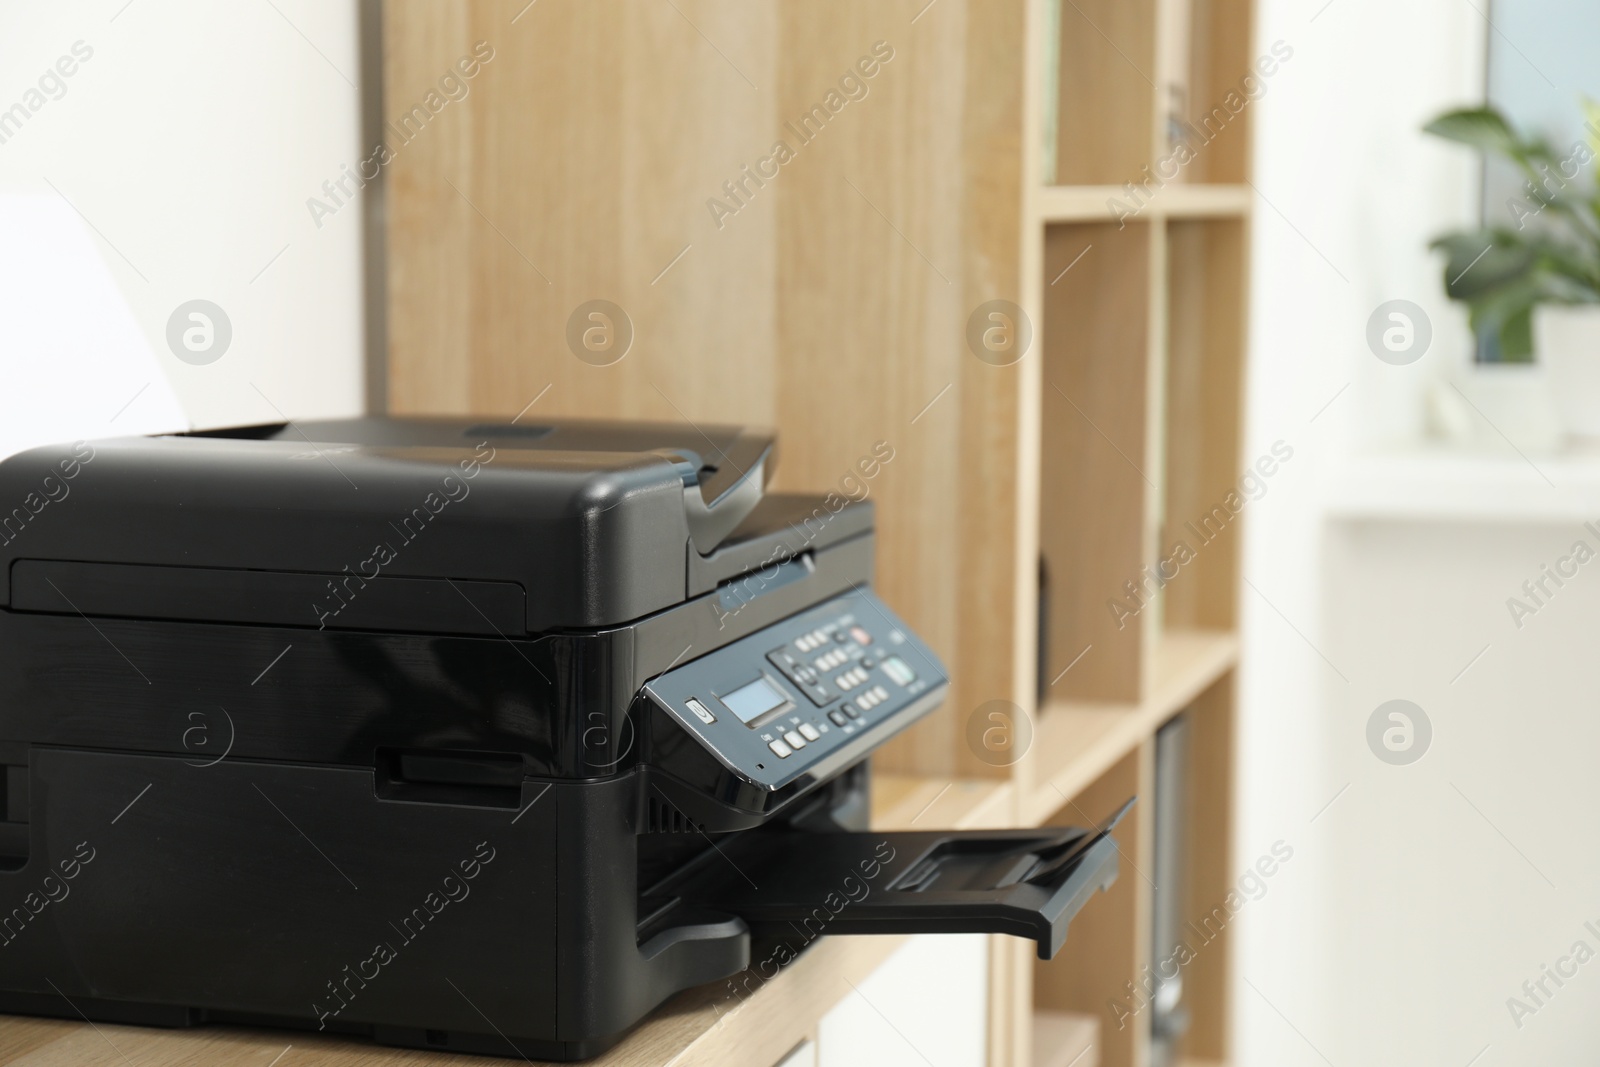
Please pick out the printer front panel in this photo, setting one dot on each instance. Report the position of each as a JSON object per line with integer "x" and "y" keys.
{"x": 767, "y": 717}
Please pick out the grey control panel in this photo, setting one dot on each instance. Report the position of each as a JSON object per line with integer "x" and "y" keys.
{"x": 809, "y": 694}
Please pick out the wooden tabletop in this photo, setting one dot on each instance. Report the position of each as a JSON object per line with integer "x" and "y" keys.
{"x": 702, "y": 1026}
{"x": 706, "y": 1026}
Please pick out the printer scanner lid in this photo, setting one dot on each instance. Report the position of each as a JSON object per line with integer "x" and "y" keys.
{"x": 571, "y": 524}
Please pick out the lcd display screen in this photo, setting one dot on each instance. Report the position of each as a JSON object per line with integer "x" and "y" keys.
{"x": 750, "y": 702}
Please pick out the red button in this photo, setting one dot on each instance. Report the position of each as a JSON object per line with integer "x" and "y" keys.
{"x": 861, "y": 636}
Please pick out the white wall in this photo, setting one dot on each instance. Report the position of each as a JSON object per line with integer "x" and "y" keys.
{"x": 190, "y": 139}
{"x": 1350, "y": 195}
{"x": 1465, "y": 872}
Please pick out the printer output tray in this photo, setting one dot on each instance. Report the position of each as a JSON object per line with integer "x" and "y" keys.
{"x": 1027, "y": 883}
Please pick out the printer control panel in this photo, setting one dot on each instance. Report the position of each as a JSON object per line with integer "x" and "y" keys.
{"x": 809, "y": 694}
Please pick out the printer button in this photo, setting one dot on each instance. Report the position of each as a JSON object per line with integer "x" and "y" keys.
{"x": 809, "y": 732}
{"x": 779, "y": 749}
{"x": 701, "y": 712}
{"x": 896, "y": 669}
{"x": 796, "y": 742}
{"x": 838, "y": 717}
{"x": 850, "y": 710}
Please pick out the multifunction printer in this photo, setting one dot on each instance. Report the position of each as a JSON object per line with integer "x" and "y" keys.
{"x": 456, "y": 734}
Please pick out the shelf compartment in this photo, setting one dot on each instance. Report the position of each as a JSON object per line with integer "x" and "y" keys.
{"x": 1206, "y": 69}
{"x": 1207, "y": 488}
{"x": 1095, "y": 500}
{"x": 1210, "y": 873}
{"x": 1110, "y": 938}
{"x": 1076, "y": 742}
{"x": 1101, "y": 61}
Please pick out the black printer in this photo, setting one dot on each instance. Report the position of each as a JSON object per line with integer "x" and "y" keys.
{"x": 475, "y": 736}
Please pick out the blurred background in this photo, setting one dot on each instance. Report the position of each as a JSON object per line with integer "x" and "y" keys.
{"x": 1202, "y": 230}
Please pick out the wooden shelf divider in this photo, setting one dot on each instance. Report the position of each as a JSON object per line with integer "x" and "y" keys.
{"x": 1104, "y": 203}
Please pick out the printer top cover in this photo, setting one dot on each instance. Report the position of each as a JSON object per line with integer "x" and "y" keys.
{"x": 549, "y": 526}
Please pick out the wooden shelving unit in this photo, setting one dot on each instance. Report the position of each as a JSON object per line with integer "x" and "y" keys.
{"x": 1138, "y": 285}
{"x": 834, "y": 305}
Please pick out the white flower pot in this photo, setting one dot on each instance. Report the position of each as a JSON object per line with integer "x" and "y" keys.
{"x": 1491, "y": 403}
{"x": 1566, "y": 341}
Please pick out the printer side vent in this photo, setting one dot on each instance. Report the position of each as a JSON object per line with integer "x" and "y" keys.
{"x": 663, "y": 818}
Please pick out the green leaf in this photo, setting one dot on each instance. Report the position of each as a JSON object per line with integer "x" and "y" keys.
{"x": 1480, "y": 261}
{"x": 1482, "y": 128}
{"x": 1492, "y": 310}
{"x": 1516, "y": 337}
{"x": 1565, "y": 273}
{"x": 1557, "y": 288}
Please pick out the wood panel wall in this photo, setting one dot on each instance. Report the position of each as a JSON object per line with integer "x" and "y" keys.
{"x": 832, "y": 304}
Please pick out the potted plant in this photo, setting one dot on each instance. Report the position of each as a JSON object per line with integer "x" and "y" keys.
{"x": 1534, "y": 285}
